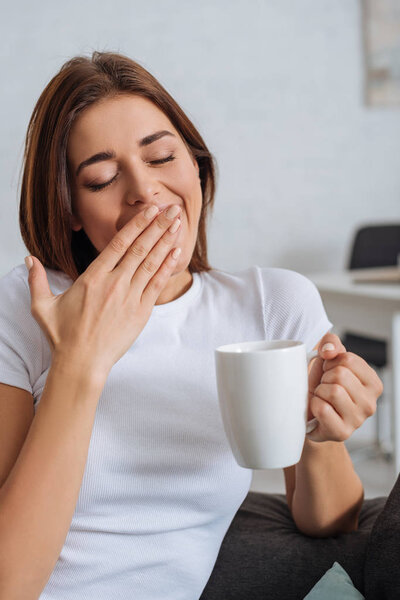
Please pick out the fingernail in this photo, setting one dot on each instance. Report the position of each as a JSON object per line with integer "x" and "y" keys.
{"x": 327, "y": 347}
{"x": 176, "y": 253}
{"x": 151, "y": 212}
{"x": 172, "y": 211}
{"x": 28, "y": 262}
{"x": 175, "y": 226}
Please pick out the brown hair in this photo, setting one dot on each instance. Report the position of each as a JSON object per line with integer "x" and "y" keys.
{"x": 45, "y": 203}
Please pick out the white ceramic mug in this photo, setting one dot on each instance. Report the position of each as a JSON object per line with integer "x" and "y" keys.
{"x": 263, "y": 396}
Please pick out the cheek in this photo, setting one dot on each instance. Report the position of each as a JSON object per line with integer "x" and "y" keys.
{"x": 98, "y": 222}
{"x": 190, "y": 222}
{"x": 191, "y": 217}
{"x": 190, "y": 190}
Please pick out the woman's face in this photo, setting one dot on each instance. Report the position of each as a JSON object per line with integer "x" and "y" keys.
{"x": 118, "y": 167}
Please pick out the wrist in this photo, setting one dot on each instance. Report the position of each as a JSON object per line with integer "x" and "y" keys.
{"x": 78, "y": 367}
{"x": 317, "y": 456}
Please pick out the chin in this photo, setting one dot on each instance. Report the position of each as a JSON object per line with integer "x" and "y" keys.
{"x": 182, "y": 264}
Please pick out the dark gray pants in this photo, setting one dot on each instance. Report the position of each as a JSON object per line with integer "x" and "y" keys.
{"x": 263, "y": 555}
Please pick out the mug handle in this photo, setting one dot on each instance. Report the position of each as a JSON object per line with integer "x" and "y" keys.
{"x": 312, "y": 423}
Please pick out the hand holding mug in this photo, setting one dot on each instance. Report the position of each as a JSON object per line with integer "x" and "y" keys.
{"x": 343, "y": 390}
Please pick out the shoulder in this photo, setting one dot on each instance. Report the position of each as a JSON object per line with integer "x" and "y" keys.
{"x": 282, "y": 285}
{"x": 14, "y": 285}
{"x": 17, "y": 277}
{"x": 273, "y": 283}
{"x": 272, "y": 279}
{"x": 288, "y": 291}
{"x": 14, "y": 288}
{"x": 293, "y": 307}
{"x": 231, "y": 284}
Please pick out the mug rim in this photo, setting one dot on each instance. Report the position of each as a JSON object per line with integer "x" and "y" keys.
{"x": 276, "y": 345}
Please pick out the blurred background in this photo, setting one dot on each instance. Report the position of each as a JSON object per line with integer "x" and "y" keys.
{"x": 297, "y": 101}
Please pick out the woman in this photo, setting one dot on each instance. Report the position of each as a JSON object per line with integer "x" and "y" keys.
{"x": 117, "y": 479}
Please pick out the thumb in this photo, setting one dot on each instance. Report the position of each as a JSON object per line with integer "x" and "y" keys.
{"x": 37, "y": 279}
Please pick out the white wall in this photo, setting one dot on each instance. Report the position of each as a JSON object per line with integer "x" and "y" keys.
{"x": 275, "y": 88}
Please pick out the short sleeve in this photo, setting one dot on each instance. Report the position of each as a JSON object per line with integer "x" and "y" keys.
{"x": 293, "y": 308}
{"x": 21, "y": 345}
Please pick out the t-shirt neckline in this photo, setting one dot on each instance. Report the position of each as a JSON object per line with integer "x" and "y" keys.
{"x": 159, "y": 310}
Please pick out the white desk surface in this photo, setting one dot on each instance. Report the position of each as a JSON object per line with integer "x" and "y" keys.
{"x": 369, "y": 309}
{"x": 342, "y": 282}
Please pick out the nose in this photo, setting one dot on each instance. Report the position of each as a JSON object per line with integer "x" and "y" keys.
{"x": 141, "y": 186}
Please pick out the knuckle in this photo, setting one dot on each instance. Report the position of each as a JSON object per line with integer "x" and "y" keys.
{"x": 118, "y": 244}
{"x": 335, "y": 391}
{"x": 379, "y": 387}
{"x": 89, "y": 283}
{"x": 335, "y": 375}
{"x": 318, "y": 392}
{"x": 339, "y": 378}
{"x": 370, "y": 409}
{"x": 149, "y": 266}
{"x": 166, "y": 241}
{"x": 340, "y": 372}
{"x": 323, "y": 411}
{"x": 157, "y": 284}
{"x": 343, "y": 434}
{"x": 358, "y": 420}
{"x": 328, "y": 392}
{"x": 348, "y": 359}
{"x": 137, "y": 250}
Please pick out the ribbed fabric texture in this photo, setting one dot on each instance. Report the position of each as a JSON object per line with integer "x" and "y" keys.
{"x": 161, "y": 486}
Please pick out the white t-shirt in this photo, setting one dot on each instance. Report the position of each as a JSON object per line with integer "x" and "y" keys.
{"x": 161, "y": 485}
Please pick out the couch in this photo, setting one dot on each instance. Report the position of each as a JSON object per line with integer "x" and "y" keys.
{"x": 264, "y": 556}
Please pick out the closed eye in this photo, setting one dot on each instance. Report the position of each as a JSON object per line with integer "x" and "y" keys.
{"x": 95, "y": 187}
{"x": 160, "y": 161}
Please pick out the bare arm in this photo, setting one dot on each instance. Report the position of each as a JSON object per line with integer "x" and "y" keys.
{"x": 38, "y": 499}
{"x": 323, "y": 490}
{"x": 89, "y": 327}
{"x": 327, "y": 493}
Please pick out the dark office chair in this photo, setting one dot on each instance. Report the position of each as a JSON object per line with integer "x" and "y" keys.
{"x": 373, "y": 246}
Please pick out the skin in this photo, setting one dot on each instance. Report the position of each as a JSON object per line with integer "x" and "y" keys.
{"x": 324, "y": 493}
{"x": 117, "y": 124}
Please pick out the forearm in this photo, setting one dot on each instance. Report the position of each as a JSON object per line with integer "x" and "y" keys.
{"x": 38, "y": 499}
{"x": 328, "y": 493}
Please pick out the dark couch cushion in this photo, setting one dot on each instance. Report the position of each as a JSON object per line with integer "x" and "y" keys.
{"x": 264, "y": 556}
{"x": 382, "y": 562}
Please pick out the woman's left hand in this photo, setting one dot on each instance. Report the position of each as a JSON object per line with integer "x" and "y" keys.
{"x": 343, "y": 390}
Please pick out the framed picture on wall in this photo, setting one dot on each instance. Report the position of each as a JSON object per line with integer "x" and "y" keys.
{"x": 381, "y": 21}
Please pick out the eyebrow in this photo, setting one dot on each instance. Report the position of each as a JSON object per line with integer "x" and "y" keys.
{"x": 109, "y": 154}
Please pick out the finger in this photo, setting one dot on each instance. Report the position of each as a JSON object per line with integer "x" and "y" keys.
{"x": 365, "y": 401}
{"x": 338, "y": 398}
{"x": 341, "y": 375}
{"x": 330, "y": 425}
{"x": 358, "y": 366}
{"x": 330, "y": 345}
{"x": 156, "y": 235}
{"x": 158, "y": 282}
{"x": 155, "y": 258}
{"x": 38, "y": 282}
{"x": 118, "y": 245}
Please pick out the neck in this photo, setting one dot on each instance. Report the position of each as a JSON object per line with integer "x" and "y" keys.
{"x": 177, "y": 285}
